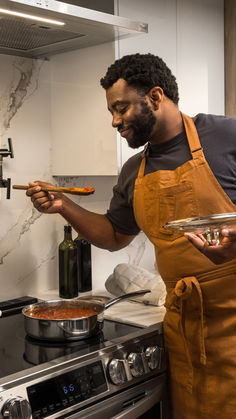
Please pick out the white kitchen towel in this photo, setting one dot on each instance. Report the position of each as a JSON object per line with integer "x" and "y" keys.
{"x": 128, "y": 278}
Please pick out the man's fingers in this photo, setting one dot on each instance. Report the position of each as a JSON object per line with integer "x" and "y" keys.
{"x": 197, "y": 240}
{"x": 229, "y": 232}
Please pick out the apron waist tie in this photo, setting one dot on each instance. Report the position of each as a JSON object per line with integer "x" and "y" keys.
{"x": 182, "y": 291}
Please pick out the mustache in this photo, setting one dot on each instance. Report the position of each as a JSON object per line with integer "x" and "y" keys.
{"x": 122, "y": 127}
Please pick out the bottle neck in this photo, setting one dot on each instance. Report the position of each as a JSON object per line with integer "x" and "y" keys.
{"x": 67, "y": 233}
{"x": 68, "y": 236}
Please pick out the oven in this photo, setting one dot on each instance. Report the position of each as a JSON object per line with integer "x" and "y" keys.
{"x": 119, "y": 373}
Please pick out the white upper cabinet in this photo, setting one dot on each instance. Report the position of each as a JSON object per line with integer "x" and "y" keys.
{"x": 83, "y": 140}
{"x": 200, "y": 56}
{"x": 189, "y": 36}
{"x": 160, "y": 40}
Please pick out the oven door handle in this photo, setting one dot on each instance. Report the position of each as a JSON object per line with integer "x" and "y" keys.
{"x": 142, "y": 406}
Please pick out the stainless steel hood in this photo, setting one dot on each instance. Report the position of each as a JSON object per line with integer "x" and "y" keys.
{"x": 80, "y": 28}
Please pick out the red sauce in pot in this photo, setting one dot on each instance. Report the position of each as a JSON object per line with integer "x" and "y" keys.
{"x": 60, "y": 312}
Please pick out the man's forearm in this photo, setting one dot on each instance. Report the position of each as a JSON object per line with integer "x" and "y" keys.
{"x": 96, "y": 228}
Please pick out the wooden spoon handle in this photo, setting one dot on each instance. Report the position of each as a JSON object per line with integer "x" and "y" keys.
{"x": 88, "y": 190}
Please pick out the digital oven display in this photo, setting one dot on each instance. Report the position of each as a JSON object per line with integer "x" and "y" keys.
{"x": 67, "y": 389}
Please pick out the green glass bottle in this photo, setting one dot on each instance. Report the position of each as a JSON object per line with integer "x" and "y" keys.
{"x": 84, "y": 265}
{"x": 68, "y": 283}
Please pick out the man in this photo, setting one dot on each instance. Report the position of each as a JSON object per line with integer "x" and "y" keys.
{"x": 187, "y": 169}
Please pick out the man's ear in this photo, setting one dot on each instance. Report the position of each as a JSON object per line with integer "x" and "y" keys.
{"x": 156, "y": 96}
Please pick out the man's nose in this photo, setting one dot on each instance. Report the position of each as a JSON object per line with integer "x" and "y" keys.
{"x": 116, "y": 120}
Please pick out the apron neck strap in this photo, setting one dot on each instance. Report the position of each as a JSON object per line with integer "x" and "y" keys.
{"x": 193, "y": 141}
{"x": 143, "y": 162}
{"x": 192, "y": 136}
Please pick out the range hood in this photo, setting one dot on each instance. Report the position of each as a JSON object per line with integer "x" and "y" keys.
{"x": 73, "y": 27}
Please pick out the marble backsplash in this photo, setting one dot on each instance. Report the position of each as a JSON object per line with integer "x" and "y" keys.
{"x": 29, "y": 240}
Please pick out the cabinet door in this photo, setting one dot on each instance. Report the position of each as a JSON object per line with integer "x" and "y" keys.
{"x": 189, "y": 36}
{"x": 160, "y": 40}
{"x": 200, "y": 56}
{"x": 83, "y": 140}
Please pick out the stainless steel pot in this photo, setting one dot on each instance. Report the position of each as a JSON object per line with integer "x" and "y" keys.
{"x": 70, "y": 329}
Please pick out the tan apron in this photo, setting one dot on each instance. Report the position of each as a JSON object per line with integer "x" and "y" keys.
{"x": 200, "y": 322}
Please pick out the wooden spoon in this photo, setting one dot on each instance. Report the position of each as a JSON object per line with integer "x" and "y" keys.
{"x": 88, "y": 190}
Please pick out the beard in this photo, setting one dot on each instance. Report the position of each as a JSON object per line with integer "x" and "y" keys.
{"x": 142, "y": 126}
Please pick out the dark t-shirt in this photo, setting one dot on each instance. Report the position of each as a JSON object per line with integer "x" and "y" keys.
{"x": 217, "y": 136}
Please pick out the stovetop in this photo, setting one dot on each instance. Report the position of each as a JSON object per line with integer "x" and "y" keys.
{"x": 40, "y": 379}
{"x": 19, "y": 352}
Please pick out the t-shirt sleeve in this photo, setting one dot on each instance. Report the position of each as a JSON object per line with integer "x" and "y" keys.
{"x": 120, "y": 212}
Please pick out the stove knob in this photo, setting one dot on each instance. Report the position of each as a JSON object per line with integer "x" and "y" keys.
{"x": 154, "y": 357}
{"x": 16, "y": 408}
{"x": 136, "y": 364}
{"x": 116, "y": 370}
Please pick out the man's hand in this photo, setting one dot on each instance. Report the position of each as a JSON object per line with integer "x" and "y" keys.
{"x": 224, "y": 252}
{"x": 47, "y": 202}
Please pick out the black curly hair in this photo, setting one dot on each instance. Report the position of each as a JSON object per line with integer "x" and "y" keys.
{"x": 142, "y": 72}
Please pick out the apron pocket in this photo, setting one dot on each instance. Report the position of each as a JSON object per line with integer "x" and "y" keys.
{"x": 169, "y": 204}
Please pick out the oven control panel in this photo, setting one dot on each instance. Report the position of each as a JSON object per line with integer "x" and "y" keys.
{"x": 66, "y": 389}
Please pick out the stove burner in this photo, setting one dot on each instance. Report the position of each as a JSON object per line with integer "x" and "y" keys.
{"x": 38, "y": 351}
{"x": 99, "y": 337}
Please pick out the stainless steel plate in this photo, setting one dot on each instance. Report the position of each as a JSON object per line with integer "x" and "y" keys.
{"x": 209, "y": 225}
{"x": 202, "y": 223}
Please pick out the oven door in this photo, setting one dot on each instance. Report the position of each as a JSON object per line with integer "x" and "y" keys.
{"x": 135, "y": 402}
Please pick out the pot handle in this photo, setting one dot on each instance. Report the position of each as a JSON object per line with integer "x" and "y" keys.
{"x": 124, "y": 296}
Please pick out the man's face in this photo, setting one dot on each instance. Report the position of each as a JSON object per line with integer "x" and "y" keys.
{"x": 132, "y": 115}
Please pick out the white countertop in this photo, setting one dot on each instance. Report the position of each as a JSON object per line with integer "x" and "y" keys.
{"x": 137, "y": 314}
{"x": 129, "y": 312}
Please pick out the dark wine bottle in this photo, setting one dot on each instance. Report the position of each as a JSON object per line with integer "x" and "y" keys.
{"x": 84, "y": 265}
{"x": 68, "y": 282}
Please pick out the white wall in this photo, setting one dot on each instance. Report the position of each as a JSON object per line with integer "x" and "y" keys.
{"x": 29, "y": 240}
